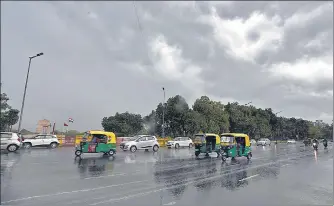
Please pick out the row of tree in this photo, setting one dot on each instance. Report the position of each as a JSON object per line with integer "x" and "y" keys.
{"x": 9, "y": 116}
{"x": 211, "y": 116}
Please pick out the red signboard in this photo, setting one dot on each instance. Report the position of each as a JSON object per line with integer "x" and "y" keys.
{"x": 69, "y": 141}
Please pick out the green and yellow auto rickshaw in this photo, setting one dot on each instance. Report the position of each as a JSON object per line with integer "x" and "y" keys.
{"x": 97, "y": 142}
{"x": 235, "y": 145}
{"x": 207, "y": 143}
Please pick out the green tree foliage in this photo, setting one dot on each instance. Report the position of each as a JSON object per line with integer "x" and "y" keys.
{"x": 125, "y": 123}
{"x": 211, "y": 116}
{"x": 9, "y": 116}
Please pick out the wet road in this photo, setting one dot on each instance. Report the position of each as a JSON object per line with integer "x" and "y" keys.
{"x": 276, "y": 175}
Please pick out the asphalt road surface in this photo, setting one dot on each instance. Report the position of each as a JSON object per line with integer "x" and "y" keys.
{"x": 276, "y": 175}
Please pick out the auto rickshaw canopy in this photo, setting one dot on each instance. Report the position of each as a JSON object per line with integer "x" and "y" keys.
{"x": 202, "y": 137}
{"x": 98, "y": 133}
{"x": 236, "y": 135}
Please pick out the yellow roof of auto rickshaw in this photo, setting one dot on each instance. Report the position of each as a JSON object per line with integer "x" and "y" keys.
{"x": 207, "y": 134}
{"x": 99, "y": 132}
{"x": 235, "y": 134}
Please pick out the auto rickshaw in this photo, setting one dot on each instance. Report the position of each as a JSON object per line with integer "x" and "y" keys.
{"x": 235, "y": 145}
{"x": 207, "y": 143}
{"x": 97, "y": 142}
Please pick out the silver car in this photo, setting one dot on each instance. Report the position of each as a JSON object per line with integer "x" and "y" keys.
{"x": 263, "y": 142}
{"x": 10, "y": 141}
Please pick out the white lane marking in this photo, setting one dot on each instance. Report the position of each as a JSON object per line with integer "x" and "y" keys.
{"x": 187, "y": 183}
{"x": 74, "y": 191}
{"x": 285, "y": 165}
{"x": 112, "y": 175}
{"x": 170, "y": 203}
{"x": 249, "y": 177}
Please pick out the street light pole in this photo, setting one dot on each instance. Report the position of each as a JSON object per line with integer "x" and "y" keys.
{"x": 163, "y": 113}
{"x": 24, "y": 93}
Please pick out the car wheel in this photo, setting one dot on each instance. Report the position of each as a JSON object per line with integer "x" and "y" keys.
{"x": 12, "y": 148}
{"x": 27, "y": 145}
{"x": 190, "y": 145}
{"x": 78, "y": 153}
{"x": 133, "y": 149}
{"x": 155, "y": 148}
{"x": 53, "y": 145}
{"x": 111, "y": 152}
{"x": 177, "y": 146}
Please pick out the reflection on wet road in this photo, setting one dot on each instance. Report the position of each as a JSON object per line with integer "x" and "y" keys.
{"x": 276, "y": 175}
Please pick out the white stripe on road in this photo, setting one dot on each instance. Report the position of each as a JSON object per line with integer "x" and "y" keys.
{"x": 249, "y": 177}
{"x": 74, "y": 191}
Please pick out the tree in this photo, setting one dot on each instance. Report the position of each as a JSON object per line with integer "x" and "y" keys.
{"x": 213, "y": 113}
{"x": 125, "y": 123}
{"x": 9, "y": 116}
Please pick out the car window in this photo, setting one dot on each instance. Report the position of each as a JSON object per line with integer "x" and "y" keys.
{"x": 40, "y": 137}
{"x": 49, "y": 137}
{"x": 142, "y": 139}
{"x": 150, "y": 138}
{"x": 6, "y": 135}
{"x": 184, "y": 138}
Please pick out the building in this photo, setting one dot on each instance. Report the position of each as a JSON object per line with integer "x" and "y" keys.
{"x": 43, "y": 126}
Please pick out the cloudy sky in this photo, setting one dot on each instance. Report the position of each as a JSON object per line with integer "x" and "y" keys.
{"x": 101, "y": 59}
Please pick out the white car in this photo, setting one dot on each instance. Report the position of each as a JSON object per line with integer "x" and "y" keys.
{"x": 180, "y": 142}
{"x": 291, "y": 141}
{"x": 253, "y": 142}
{"x": 146, "y": 143}
{"x": 10, "y": 141}
{"x": 263, "y": 142}
{"x": 41, "y": 140}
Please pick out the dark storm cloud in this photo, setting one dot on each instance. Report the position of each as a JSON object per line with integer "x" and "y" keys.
{"x": 98, "y": 60}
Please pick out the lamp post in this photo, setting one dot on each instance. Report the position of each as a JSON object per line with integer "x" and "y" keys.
{"x": 163, "y": 113}
{"x": 25, "y": 91}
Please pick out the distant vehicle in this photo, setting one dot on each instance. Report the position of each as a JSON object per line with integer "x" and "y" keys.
{"x": 10, "y": 141}
{"x": 142, "y": 142}
{"x": 180, "y": 142}
{"x": 263, "y": 142}
{"x": 291, "y": 141}
{"x": 253, "y": 142}
{"x": 41, "y": 140}
{"x": 125, "y": 140}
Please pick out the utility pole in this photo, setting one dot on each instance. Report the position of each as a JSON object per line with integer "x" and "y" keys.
{"x": 163, "y": 113}
{"x": 24, "y": 93}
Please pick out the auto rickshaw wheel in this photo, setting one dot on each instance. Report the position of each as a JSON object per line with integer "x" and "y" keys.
{"x": 249, "y": 156}
{"x": 197, "y": 153}
{"x": 78, "y": 153}
{"x": 223, "y": 158}
{"x": 111, "y": 152}
{"x": 218, "y": 154}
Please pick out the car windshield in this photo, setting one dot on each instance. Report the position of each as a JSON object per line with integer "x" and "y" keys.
{"x": 86, "y": 135}
{"x": 227, "y": 139}
{"x": 263, "y": 139}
